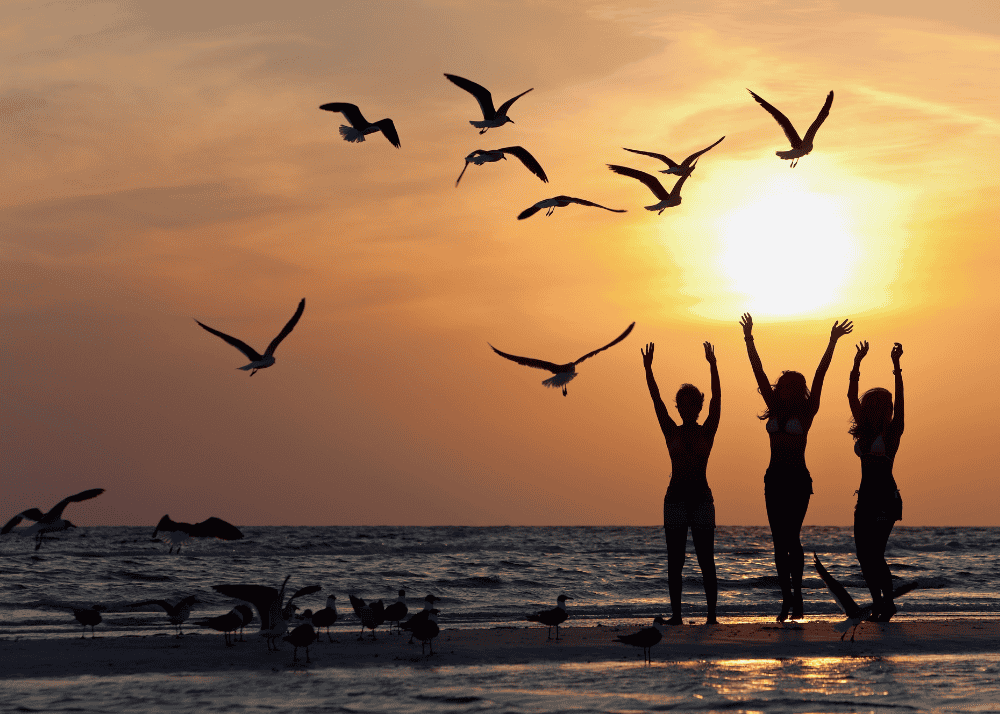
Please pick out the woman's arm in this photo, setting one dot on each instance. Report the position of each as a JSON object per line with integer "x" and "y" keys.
{"x": 711, "y": 424}
{"x": 896, "y": 425}
{"x": 852, "y": 387}
{"x": 667, "y": 424}
{"x": 758, "y": 369}
{"x": 836, "y": 332}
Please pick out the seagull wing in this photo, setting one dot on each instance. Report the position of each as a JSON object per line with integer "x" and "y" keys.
{"x": 695, "y": 155}
{"x": 851, "y": 608}
{"x": 260, "y": 596}
{"x": 506, "y": 105}
{"x": 665, "y": 159}
{"x": 215, "y": 528}
{"x": 242, "y": 346}
{"x": 307, "y": 590}
{"x": 793, "y": 136}
{"x": 652, "y": 183}
{"x": 528, "y": 160}
{"x": 527, "y": 212}
{"x": 57, "y": 509}
{"x": 680, "y": 182}
{"x": 350, "y": 112}
{"x": 461, "y": 174}
{"x": 481, "y": 93}
{"x": 820, "y": 118}
{"x": 356, "y": 602}
{"x": 32, "y": 514}
{"x": 162, "y": 603}
{"x": 389, "y": 129}
{"x": 591, "y": 203}
{"x": 613, "y": 342}
{"x": 289, "y": 326}
{"x": 529, "y": 362}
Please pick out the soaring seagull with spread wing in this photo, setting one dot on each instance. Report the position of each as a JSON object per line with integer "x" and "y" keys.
{"x": 492, "y": 118}
{"x": 800, "y": 147}
{"x": 176, "y": 614}
{"x": 485, "y": 156}
{"x": 51, "y": 521}
{"x": 564, "y": 373}
{"x": 260, "y": 361}
{"x": 551, "y": 204}
{"x": 177, "y": 533}
{"x": 855, "y": 613}
{"x": 668, "y": 199}
{"x": 684, "y": 167}
{"x": 361, "y": 127}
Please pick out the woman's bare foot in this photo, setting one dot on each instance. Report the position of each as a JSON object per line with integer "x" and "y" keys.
{"x": 675, "y": 620}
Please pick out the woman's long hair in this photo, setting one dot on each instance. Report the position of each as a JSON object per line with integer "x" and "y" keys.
{"x": 795, "y": 405}
{"x": 874, "y": 415}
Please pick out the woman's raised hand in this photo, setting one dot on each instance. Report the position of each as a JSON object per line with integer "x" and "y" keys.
{"x": 840, "y": 329}
{"x": 862, "y": 351}
{"x": 647, "y": 355}
{"x": 709, "y": 353}
{"x": 897, "y": 352}
{"x": 747, "y": 323}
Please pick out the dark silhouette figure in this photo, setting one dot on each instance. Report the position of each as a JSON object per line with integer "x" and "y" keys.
{"x": 667, "y": 199}
{"x": 564, "y": 373}
{"x": 396, "y": 612}
{"x": 226, "y": 624}
{"x": 645, "y": 638}
{"x": 686, "y": 166}
{"x": 551, "y": 204}
{"x": 791, "y": 408}
{"x": 877, "y": 429}
{"x": 855, "y": 613}
{"x": 552, "y": 618}
{"x": 179, "y": 533}
{"x": 176, "y": 614}
{"x": 800, "y": 147}
{"x": 361, "y": 127}
{"x": 419, "y": 617}
{"x": 371, "y": 615}
{"x": 302, "y": 636}
{"x": 487, "y": 156}
{"x": 52, "y": 521}
{"x": 327, "y": 616}
{"x": 426, "y": 630}
{"x": 492, "y": 118}
{"x": 260, "y": 361}
{"x": 274, "y": 613}
{"x": 89, "y": 617}
{"x": 688, "y": 501}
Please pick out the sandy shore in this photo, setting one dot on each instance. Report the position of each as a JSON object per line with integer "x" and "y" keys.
{"x": 123, "y": 655}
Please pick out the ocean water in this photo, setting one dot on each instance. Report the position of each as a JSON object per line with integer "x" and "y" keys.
{"x": 491, "y": 577}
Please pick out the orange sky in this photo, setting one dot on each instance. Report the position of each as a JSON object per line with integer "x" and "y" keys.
{"x": 167, "y": 161}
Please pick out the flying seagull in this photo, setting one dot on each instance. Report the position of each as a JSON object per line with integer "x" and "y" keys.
{"x": 800, "y": 147}
{"x": 668, "y": 199}
{"x": 360, "y": 127}
{"x": 560, "y": 202}
{"x": 645, "y": 638}
{"x": 51, "y": 521}
{"x": 492, "y": 118}
{"x": 552, "y": 618}
{"x": 484, "y": 156}
{"x": 677, "y": 169}
{"x": 274, "y": 613}
{"x": 855, "y": 614}
{"x": 178, "y": 534}
{"x": 176, "y": 614}
{"x": 564, "y": 373}
{"x": 260, "y": 361}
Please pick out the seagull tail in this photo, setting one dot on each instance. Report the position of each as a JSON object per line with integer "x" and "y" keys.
{"x": 560, "y": 379}
{"x": 351, "y": 134}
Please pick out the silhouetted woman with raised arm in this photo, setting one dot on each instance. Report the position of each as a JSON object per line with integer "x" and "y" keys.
{"x": 791, "y": 408}
{"x": 688, "y": 501}
{"x": 876, "y": 430}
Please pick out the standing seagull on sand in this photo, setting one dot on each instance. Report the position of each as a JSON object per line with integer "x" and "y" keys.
{"x": 668, "y": 199}
{"x": 484, "y": 156}
{"x": 855, "y": 614}
{"x": 552, "y": 618}
{"x": 371, "y": 615}
{"x": 564, "y": 373}
{"x": 800, "y": 147}
{"x": 492, "y": 118}
{"x": 226, "y": 624}
{"x": 645, "y": 638}
{"x": 419, "y": 617}
{"x": 260, "y": 361}
{"x": 396, "y": 611}
{"x": 684, "y": 167}
{"x": 561, "y": 202}
{"x": 89, "y": 617}
{"x": 274, "y": 614}
{"x": 327, "y": 616}
{"x": 51, "y": 521}
{"x": 361, "y": 127}
{"x": 176, "y": 533}
{"x": 176, "y": 614}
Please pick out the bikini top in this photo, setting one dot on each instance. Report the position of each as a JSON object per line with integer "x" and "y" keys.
{"x": 792, "y": 426}
{"x": 877, "y": 448}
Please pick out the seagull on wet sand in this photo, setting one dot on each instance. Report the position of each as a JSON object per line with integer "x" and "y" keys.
{"x": 361, "y": 127}
{"x": 800, "y": 147}
{"x": 260, "y": 361}
{"x": 89, "y": 617}
{"x": 564, "y": 373}
{"x": 302, "y": 636}
{"x": 327, "y": 616}
{"x": 51, "y": 521}
{"x": 419, "y": 617}
{"x": 426, "y": 630}
{"x": 396, "y": 611}
{"x": 552, "y": 618}
{"x": 561, "y": 202}
{"x": 226, "y": 624}
{"x": 668, "y": 199}
{"x": 645, "y": 638}
{"x": 485, "y": 156}
{"x": 492, "y": 118}
{"x": 176, "y": 614}
{"x": 677, "y": 169}
{"x": 177, "y": 533}
{"x": 245, "y": 612}
{"x": 855, "y": 613}
{"x": 274, "y": 614}
{"x": 371, "y": 616}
